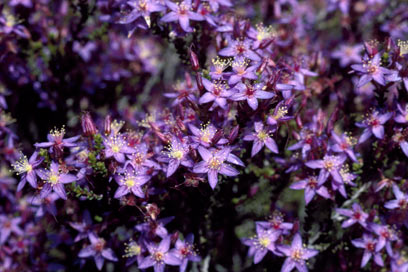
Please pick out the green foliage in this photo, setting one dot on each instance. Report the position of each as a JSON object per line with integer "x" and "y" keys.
{"x": 78, "y": 191}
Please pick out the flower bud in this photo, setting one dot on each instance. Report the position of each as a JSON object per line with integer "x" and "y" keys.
{"x": 234, "y": 134}
{"x": 88, "y": 126}
{"x": 107, "y": 125}
{"x": 195, "y": 65}
{"x": 152, "y": 211}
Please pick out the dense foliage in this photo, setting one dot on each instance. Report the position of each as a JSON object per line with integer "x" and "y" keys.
{"x": 205, "y": 135}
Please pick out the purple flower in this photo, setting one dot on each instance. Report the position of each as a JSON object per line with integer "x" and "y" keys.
{"x": 26, "y": 3}
{"x": 239, "y": 48}
{"x": 159, "y": 256}
{"x": 399, "y": 263}
{"x": 400, "y": 201}
{"x": 155, "y": 227}
{"x": 306, "y": 139}
{"x": 116, "y": 146}
{"x": 54, "y": 181}
{"x": 217, "y": 92}
{"x": 25, "y": 168}
{"x": 140, "y": 159}
{"x": 251, "y": 93}
{"x": 218, "y": 67}
{"x": 131, "y": 181}
{"x": 296, "y": 255}
{"x": 279, "y": 114}
{"x": 402, "y": 116}
{"x": 385, "y": 236}
{"x": 311, "y": 188}
{"x": 98, "y": 250}
{"x": 356, "y": 215}
{"x": 182, "y": 13}
{"x": 9, "y": 24}
{"x": 240, "y": 70}
{"x": 177, "y": 152}
{"x": 141, "y": 8}
{"x": 371, "y": 70}
{"x": 134, "y": 251}
{"x": 275, "y": 223}
{"x": 215, "y": 4}
{"x": 330, "y": 165}
{"x": 263, "y": 242}
{"x": 214, "y": 163}
{"x": 185, "y": 252}
{"x": 182, "y": 93}
{"x": 369, "y": 245}
{"x": 57, "y": 141}
{"x": 205, "y": 135}
{"x": 347, "y": 54}
{"x": 344, "y": 144}
{"x": 205, "y": 11}
{"x": 260, "y": 138}
{"x": 399, "y": 138}
{"x": 373, "y": 124}
{"x": 8, "y": 226}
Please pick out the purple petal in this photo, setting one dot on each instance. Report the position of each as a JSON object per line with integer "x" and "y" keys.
{"x": 200, "y": 167}
{"x": 315, "y": 164}
{"x": 172, "y": 167}
{"x": 378, "y": 131}
{"x": 107, "y": 253}
{"x": 121, "y": 191}
{"x": 256, "y": 147}
{"x": 67, "y": 178}
{"x": 228, "y": 170}
{"x": 86, "y": 252}
{"x": 288, "y": 265}
{"x": 213, "y": 178}
{"x": 59, "y": 189}
{"x": 164, "y": 244}
{"x": 259, "y": 255}
{"x": 205, "y": 153}
{"x": 146, "y": 262}
{"x": 271, "y": 144}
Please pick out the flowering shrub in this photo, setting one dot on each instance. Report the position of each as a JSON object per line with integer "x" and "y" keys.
{"x": 178, "y": 136}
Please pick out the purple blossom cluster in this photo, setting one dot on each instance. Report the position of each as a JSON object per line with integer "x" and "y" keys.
{"x": 181, "y": 124}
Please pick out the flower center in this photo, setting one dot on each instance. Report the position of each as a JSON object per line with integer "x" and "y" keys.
{"x": 177, "y": 154}
{"x": 53, "y": 179}
{"x": 99, "y": 245}
{"x": 214, "y": 164}
{"x": 297, "y": 254}
{"x": 328, "y": 165}
{"x": 264, "y": 241}
{"x": 130, "y": 183}
{"x": 115, "y": 148}
{"x": 158, "y": 256}
{"x": 262, "y": 135}
{"x": 370, "y": 246}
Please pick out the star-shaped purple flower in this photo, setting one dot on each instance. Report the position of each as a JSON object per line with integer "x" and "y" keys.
{"x": 260, "y": 138}
{"x": 296, "y": 255}
{"x": 214, "y": 163}
{"x": 251, "y": 93}
{"x": 98, "y": 250}
{"x": 373, "y": 124}
{"x": 371, "y": 70}
{"x": 182, "y": 13}
{"x": 184, "y": 250}
{"x": 356, "y": 215}
{"x": 159, "y": 256}
{"x": 400, "y": 201}
{"x": 54, "y": 181}
{"x": 263, "y": 242}
{"x": 311, "y": 187}
{"x": 369, "y": 244}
